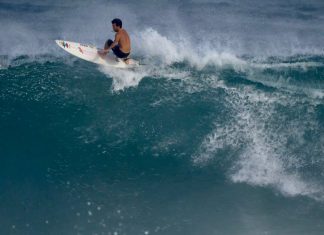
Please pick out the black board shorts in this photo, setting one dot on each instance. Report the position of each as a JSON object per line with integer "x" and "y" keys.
{"x": 117, "y": 50}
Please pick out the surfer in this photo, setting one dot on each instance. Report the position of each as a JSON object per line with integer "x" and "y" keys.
{"x": 121, "y": 46}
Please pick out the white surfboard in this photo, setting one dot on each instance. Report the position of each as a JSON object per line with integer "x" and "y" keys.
{"x": 90, "y": 53}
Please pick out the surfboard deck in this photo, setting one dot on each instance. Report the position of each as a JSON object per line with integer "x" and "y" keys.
{"x": 90, "y": 53}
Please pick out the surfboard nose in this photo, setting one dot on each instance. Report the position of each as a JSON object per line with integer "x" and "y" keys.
{"x": 63, "y": 44}
{"x": 59, "y": 42}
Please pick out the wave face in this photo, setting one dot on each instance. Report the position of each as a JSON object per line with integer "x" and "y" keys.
{"x": 220, "y": 131}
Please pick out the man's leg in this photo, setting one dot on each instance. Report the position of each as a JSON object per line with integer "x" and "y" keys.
{"x": 106, "y": 46}
{"x": 118, "y": 53}
{"x": 115, "y": 49}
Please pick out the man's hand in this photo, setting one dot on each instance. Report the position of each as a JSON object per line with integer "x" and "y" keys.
{"x": 103, "y": 52}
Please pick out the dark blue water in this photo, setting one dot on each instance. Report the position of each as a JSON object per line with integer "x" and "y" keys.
{"x": 219, "y": 132}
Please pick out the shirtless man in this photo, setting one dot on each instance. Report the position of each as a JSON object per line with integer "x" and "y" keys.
{"x": 121, "y": 46}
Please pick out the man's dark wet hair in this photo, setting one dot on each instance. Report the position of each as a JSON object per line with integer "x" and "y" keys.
{"x": 117, "y": 22}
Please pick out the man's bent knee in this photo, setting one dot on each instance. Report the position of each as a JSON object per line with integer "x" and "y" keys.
{"x": 108, "y": 43}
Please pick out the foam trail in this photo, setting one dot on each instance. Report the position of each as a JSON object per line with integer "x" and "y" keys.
{"x": 124, "y": 78}
{"x": 261, "y": 165}
{"x": 264, "y": 158}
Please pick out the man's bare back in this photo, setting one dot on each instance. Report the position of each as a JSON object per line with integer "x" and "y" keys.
{"x": 123, "y": 40}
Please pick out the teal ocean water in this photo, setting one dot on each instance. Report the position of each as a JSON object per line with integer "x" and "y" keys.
{"x": 220, "y": 131}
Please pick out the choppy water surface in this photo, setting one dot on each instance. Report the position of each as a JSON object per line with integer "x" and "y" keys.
{"x": 219, "y": 132}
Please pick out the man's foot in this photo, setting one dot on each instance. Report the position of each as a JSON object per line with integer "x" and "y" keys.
{"x": 126, "y": 60}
